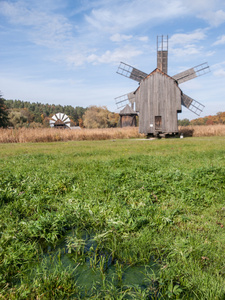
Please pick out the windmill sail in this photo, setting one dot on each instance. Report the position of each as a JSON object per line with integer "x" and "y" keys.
{"x": 131, "y": 72}
{"x": 193, "y": 105}
{"x": 192, "y": 73}
{"x": 123, "y": 100}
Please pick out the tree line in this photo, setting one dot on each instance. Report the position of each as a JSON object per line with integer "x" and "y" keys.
{"x": 22, "y": 113}
{"x": 219, "y": 118}
{"x": 17, "y": 113}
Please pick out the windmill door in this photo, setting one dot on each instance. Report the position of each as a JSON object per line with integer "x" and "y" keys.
{"x": 158, "y": 123}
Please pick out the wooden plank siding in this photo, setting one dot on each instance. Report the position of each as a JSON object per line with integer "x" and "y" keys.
{"x": 158, "y": 96}
{"x": 127, "y": 121}
{"x": 127, "y": 117}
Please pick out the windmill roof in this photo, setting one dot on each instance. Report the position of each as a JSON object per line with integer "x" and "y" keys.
{"x": 127, "y": 111}
{"x": 152, "y": 73}
{"x": 159, "y": 71}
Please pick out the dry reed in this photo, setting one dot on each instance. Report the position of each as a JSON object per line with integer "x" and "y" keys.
{"x": 26, "y": 135}
{"x": 203, "y": 130}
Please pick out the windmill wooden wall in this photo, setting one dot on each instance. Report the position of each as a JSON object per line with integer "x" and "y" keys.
{"x": 128, "y": 117}
{"x": 158, "y": 100}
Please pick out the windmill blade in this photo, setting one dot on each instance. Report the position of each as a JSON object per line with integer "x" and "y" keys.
{"x": 192, "y": 73}
{"x": 58, "y": 115}
{"x": 61, "y": 119}
{"x": 123, "y": 100}
{"x": 131, "y": 97}
{"x": 193, "y": 105}
{"x": 131, "y": 72}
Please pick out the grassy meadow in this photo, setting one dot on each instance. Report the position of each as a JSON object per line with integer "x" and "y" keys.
{"x": 113, "y": 219}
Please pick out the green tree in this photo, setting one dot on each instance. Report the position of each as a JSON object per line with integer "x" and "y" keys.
{"x": 4, "y": 120}
{"x": 184, "y": 122}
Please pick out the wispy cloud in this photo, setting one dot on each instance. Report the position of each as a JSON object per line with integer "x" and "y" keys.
{"x": 219, "y": 72}
{"x": 220, "y": 41}
{"x": 115, "y": 56}
{"x": 114, "y": 19}
{"x": 183, "y": 39}
{"x": 117, "y": 37}
{"x": 183, "y": 44}
{"x": 129, "y": 14}
{"x": 219, "y": 69}
{"x": 214, "y": 18}
{"x": 43, "y": 28}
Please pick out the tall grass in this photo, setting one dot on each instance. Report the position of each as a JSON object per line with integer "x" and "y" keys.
{"x": 25, "y": 135}
{"x": 34, "y": 135}
{"x": 203, "y": 130}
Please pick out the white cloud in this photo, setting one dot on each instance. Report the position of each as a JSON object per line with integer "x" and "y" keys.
{"x": 115, "y": 16}
{"x": 143, "y": 38}
{"x": 115, "y": 56}
{"x": 219, "y": 69}
{"x": 186, "y": 44}
{"x": 117, "y": 37}
{"x": 44, "y": 28}
{"x": 185, "y": 39}
{"x": 77, "y": 58}
{"x": 74, "y": 59}
{"x": 196, "y": 5}
{"x": 128, "y": 14}
{"x": 214, "y": 18}
{"x": 209, "y": 10}
{"x": 220, "y": 41}
{"x": 186, "y": 51}
{"x": 219, "y": 73}
{"x": 210, "y": 53}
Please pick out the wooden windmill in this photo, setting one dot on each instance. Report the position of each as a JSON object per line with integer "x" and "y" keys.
{"x": 158, "y": 99}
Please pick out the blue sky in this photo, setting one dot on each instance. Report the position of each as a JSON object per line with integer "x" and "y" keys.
{"x": 67, "y": 51}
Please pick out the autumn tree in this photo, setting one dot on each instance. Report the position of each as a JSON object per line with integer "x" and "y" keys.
{"x": 100, "y": 117}
{"x": 219, "y": 118}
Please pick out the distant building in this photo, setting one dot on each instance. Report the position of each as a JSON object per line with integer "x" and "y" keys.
{"x": 128, "y": 117}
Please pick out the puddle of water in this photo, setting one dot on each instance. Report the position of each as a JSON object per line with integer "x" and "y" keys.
{"x": 79, "y": 253}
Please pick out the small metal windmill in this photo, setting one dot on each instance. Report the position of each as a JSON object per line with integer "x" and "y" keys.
{"x": 60, "y": 120}
{"x": 158, "y": 98}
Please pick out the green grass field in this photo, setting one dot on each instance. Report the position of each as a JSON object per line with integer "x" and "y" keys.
{"x": 115, "y": 219}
